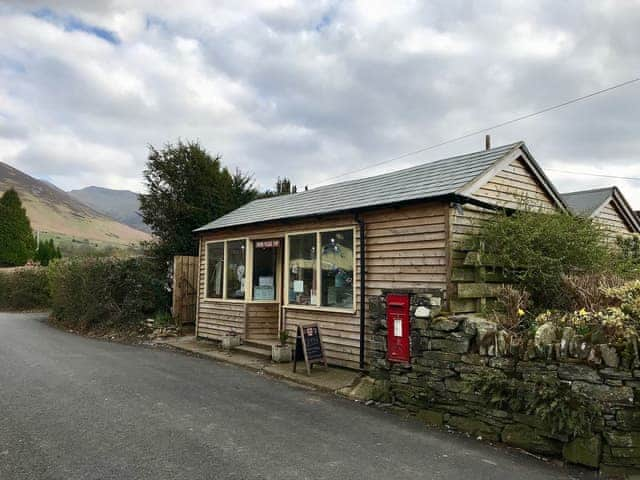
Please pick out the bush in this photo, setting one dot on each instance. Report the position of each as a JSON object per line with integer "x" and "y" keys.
{"x": 626, "y": 256}
{"x": 536, "y": 249}
{"x": 97, "y": 293}
{"x": 588, "y": 291}
{"x": 25, "y": 289}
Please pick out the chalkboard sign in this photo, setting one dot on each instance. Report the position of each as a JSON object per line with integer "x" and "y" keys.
{"x": 309, "y": 346}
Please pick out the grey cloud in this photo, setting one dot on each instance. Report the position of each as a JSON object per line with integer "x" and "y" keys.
{"x": 311, "y": 90}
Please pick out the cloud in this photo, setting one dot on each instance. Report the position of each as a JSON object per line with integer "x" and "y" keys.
{"x": 312, "y": 90}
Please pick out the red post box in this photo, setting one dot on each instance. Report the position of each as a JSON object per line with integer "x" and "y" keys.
{"x": 398, "y": 328}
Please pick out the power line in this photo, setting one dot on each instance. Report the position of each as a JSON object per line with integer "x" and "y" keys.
{"x": 487, "y": 129}
{"x": 592, "y": 174}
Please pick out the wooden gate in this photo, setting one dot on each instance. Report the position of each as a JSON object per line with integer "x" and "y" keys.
{"x": 185, "y": 284}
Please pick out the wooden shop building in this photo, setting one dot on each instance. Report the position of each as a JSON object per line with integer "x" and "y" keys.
{"x": 318, "y": 255}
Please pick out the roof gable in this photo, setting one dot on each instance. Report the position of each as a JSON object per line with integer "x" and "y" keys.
{"x": 591, "y": 202}
{"x": 516, "y": 179}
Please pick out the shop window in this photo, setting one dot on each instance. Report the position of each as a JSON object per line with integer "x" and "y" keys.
{"x": 236, "y": 269}
{"x": 336, "y": 262}
{"x": 265, "y": 267}
{"x": 302, "y": 265}
{"x": 215, "y": 269}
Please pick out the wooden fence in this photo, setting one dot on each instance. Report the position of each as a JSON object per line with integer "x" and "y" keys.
{"x": 185, "y": 288}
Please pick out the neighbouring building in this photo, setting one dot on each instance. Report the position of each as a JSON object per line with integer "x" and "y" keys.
{"x": 319, "y": 255}
{"x": 608, "y": 207}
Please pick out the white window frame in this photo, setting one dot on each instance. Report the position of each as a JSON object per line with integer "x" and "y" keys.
{"x": 287, "y": 268}
{"x": 248, "y": 270}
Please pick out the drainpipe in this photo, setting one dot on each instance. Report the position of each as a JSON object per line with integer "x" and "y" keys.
{"x": 361, "y": 226}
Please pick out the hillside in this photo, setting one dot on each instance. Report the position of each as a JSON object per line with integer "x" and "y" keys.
{"x": 53, "y": 211}
{"x": 122, "y": 205}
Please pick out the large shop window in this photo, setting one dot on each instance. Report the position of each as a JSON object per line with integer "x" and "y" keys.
{"x": 236, "y": 268}
{"x": 215, "y": 266}
{"x": 336, "y": 262}
{"x": 302, "y": 269}
{"x": 330, "y": 253}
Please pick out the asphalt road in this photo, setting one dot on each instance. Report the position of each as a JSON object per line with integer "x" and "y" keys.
{"x": 75, "y": 408}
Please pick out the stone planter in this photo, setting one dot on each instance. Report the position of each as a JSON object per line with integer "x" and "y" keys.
{"x": 280, "y": 353}
{"x": 230, "y": 341}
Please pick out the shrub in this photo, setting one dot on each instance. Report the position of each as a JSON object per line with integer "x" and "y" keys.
{"x": 511, "y": 306}
{"x": 24, "y": 289}
{"x": 626, "y": 256}
{"x": 536, "y": 249}
{"x": 588, "y": 291}
{"x": 98, "y": 293}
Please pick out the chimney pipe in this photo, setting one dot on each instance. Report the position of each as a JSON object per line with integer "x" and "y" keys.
{"x": 487, "y": 142}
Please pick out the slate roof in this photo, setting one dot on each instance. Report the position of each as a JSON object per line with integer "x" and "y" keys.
{"x": 430, "y": 180}
{"x": 586, "y": 202}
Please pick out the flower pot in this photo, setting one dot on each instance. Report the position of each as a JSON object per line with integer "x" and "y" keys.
{"x": 281, "y": 353}
{"x": 230, "y": 341}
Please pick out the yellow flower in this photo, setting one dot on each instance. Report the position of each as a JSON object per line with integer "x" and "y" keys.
{"x": 520, "y": 312}
{"x": 582, "y": 312}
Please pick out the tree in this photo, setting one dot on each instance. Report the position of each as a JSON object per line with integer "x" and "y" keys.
{"x": 283, "y": 187}
{"x": 47, "y": 251}
{"x": 17, "y": 244}
{"x": 187, "y": 188}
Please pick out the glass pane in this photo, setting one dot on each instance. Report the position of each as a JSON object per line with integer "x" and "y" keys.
{"x": 236, "y": 269}
{"x": 215, "y": 264}
{"x": 336, "y": 262}
{"x": 302, "y": 269}
{"x": 265, "y": 258}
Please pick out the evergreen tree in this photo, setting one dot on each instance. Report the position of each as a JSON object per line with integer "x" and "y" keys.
{"x": 187, "y": 188}
{"x": 17, "y": 245}
{"x": 47, "y": 251}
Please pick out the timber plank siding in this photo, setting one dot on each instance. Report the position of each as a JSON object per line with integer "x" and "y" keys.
{"x": 611, "y": 220}
{"x": 405, "y": 249}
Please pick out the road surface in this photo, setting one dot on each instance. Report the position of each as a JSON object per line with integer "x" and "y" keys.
{"x": 76, "y": 408}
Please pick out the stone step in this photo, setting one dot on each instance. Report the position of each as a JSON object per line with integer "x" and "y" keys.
{"x": 253, "y": 350}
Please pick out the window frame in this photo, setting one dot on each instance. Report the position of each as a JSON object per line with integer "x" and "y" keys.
{"x": 318, "y": 306}
{"x": 248, "y": 269}
{"x": 206, "y": 269}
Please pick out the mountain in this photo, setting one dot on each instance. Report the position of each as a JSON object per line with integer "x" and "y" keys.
{"x": 53, "y": 211}
{"x": 123, "y": 205}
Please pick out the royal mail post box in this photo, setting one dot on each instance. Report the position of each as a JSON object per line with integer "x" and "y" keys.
{"x": 398, "y": 328}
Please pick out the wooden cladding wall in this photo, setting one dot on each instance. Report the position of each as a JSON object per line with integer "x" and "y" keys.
{"x": 405, "y": 249}
{"x": 514, "y": 186}
{"x": 262, "y": 321}
{"x": 612, "y": 222}
{"x": 217, "y": 318}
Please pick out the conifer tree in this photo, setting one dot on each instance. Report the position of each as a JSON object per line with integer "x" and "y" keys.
{"x": 17, "y": 245}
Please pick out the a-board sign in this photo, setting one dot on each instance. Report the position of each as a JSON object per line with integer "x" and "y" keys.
{"x": 309, "y": 346}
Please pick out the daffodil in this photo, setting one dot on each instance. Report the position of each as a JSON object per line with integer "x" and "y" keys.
{"x": 582, "y": 312}
{"x": 520, "y": 312}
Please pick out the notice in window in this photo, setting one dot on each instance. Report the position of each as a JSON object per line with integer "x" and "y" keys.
{"x": 298, "y": 286}
{"x": 397, "y": 327}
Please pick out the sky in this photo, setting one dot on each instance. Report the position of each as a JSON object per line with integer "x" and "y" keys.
{"x": 313, "y": 90}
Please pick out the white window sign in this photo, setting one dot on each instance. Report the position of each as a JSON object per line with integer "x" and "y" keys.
{"x": 397, "y": 327}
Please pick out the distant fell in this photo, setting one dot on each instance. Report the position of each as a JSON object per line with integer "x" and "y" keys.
{"x": 122, "y": 205}
{"x": 52, "y": 210}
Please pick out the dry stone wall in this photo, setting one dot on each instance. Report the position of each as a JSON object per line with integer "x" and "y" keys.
{"x": 451, "y": 356}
